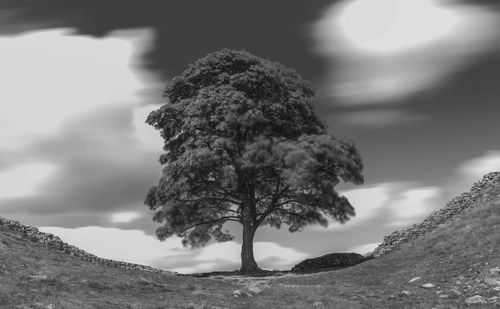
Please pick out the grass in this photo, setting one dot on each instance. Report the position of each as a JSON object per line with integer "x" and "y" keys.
{"x": 34, "y": 276}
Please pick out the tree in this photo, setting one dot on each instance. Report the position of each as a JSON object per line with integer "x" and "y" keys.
{"x": 243, "y": 144}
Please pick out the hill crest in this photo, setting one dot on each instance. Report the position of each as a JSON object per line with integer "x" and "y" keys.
{"x": 487, "y": 190}
{"x": 33, "y": 234}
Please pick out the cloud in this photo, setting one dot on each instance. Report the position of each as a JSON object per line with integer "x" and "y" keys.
{"x": 148, "y": 138}
{"x": 363, "y": 249}
{"x": 100, "y": 167}
{"x": 414, "y": 203}
{"x": 135, "y": 246}
{"x": 132, "y": 246}
{"x": 476, "y": 168}
{"x": 24, "y": 180}
{"x": 389, "y": 204}
{"x": 124, "y": 217}
{"x": 471, "y": 171}
{"x": 74, "y": 103}
{"x": 381, "y": 51}
{"x": 49, "y": 77}
{"x": 379, "y": 118}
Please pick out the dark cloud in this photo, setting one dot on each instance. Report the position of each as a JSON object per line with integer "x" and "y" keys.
{"x": 186, "y": 30}
{"x": 100, "y": 168}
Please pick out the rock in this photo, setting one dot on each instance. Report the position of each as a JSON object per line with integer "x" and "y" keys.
{"x": 254, "y": 290}
{"x": 237, "y": 293}
{"x": 476, "y": 299}
{"x": 331, "y": 260}
{"x": 492, "y": 281}
{"x": 317, "y": 304}
{"x": 456, "y": 292}
{"x": 195, "y": 306}
{"x": 495, "y": 271}
{"x": 405, "y": 293}
{"x": 240, "y": 293}
{"x": 414, "y": 279}
{"x": 428, "y": 286}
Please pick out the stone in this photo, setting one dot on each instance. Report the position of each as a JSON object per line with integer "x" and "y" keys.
{"x": 456, "y": 292}
{"x": 495, "y": 271}
{"x": 237, "y": 293}
{"x": 240, "y": 293}
{"x": 492, "y": 281}
{"x": 318, "y": 304}
{"x": 476, "y": 299}
{"x": 428, "y": 286}
{"x": 405, "y": 293}
{"x": 254, "y": 290}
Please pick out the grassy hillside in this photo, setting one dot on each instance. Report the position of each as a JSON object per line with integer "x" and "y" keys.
{"x": 456, "y": 258}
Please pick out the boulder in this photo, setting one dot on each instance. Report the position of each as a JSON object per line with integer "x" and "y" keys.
{"x": 329, "y": 261}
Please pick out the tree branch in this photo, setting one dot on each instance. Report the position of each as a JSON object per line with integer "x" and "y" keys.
{"x": 226, "y": 218}
{"x": 208, "y": 198}
{"x": 291, "y": 213}
{"x": 272, "y": 205}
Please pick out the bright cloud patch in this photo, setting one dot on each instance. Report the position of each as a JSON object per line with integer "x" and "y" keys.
{"x": 476, "y": 168}
{"x": 125, "y": 245}
{"x": 383, "y": 50}
{"x": 136, "y": 247}
{"x": 49, "y": 77}
{"x": 146, "y": 135}
{"x": 124, "y": 217}
{"x": 24, "y": 180}
{"x": 362, "y": 249}
{"x": 369, "y": 200}
{"x": 390, "y": 26}
{"x": 471, "y": 171}
{"x": 414, "y": 203}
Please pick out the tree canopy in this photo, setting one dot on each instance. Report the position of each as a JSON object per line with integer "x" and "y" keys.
{"x": 243, "y": 144}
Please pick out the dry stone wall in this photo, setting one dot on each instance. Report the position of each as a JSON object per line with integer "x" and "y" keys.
{"x": 484, "y": 191}
{"x": 52, "y": 241}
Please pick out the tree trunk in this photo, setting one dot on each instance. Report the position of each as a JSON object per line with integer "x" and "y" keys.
{"x": 248, "y": 264}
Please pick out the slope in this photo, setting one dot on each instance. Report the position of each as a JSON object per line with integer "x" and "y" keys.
{"x": 461, "y": 259}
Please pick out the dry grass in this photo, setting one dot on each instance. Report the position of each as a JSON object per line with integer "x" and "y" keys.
{"x": 33, "y": 276}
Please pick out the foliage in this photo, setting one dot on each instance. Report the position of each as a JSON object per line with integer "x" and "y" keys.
{"x": 243, "y": 144}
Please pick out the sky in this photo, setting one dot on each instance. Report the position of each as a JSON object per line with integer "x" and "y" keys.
{"x": 412, "y": 83}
